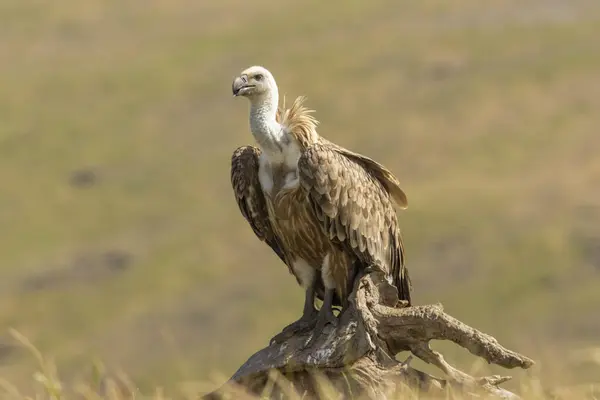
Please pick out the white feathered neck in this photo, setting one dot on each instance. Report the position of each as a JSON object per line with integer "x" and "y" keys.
{"x": 268, "y": 133}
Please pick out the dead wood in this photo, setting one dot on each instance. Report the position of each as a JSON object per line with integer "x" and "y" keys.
{"x": 357, "y": 358}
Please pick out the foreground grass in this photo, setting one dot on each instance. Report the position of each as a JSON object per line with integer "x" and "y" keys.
{"x": 120, "y": 238}
{"x": 99, "y": 384}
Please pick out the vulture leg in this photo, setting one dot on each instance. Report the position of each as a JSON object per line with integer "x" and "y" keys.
{"x": 306, "y": 321}
{"x": 324, "y": 317}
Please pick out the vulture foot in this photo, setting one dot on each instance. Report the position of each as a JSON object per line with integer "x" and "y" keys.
{"x": 325, "y": 316}
{"x": 303, "y": 325}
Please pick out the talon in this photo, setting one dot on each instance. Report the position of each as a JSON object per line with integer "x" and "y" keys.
{"x": 324, "y": 317}
{"x": 304, "y": 324}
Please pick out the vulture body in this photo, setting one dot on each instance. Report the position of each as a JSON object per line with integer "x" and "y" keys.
{"x": 327, "y": 212}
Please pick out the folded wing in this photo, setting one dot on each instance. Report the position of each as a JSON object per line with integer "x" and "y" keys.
{"x": 250, "y": 198}
{"x": 355, "y": 208}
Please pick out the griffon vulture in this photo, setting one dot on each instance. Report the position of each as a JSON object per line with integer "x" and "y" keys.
{"x": 327, "y": 212}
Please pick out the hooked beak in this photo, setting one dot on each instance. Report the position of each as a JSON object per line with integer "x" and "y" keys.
{"x": 240, "y": 85}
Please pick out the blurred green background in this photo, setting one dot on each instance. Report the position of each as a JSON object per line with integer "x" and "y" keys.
{"x": 120, "y": 238}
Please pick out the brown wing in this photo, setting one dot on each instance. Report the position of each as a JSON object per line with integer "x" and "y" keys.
{"x": 356, "y": 210}
{"x": 250, "y": 198}
{"x": 383, "y": 175}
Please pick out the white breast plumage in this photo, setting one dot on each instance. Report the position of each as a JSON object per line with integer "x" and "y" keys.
{"x": 286, "y": 159}
{"x": 265, "y": 176}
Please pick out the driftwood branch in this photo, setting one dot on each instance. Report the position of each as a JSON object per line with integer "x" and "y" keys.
{"x": 357, "y": 358}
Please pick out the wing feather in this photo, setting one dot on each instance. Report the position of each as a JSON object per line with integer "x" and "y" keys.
{"x": 381, "y": 173}
{"x": 356, "y": 209}
{"x": 250, "y": 198}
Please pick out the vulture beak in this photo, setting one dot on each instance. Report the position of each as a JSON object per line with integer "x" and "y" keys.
{"x": 239, "y": 85}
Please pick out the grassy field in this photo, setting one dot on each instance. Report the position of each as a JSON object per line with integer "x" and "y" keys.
{"x": 120, "y": 236}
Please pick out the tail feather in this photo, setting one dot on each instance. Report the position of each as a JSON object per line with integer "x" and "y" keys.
{"x": 404, "y": 286}
{"x": 401, "y": 276}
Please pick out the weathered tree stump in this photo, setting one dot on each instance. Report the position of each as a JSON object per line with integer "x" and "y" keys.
{"x": 357, "y": 358}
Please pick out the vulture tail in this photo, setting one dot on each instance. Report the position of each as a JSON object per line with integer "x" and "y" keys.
{"x": 404, "y": 286}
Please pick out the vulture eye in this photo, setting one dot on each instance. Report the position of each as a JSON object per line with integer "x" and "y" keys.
{"x": 258, "y": 77}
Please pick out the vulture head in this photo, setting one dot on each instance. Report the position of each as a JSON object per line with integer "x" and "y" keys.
{"x": 253, "y": 83}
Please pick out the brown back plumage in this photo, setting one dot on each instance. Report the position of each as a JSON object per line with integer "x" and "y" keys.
{"x": 381, "y": 173}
